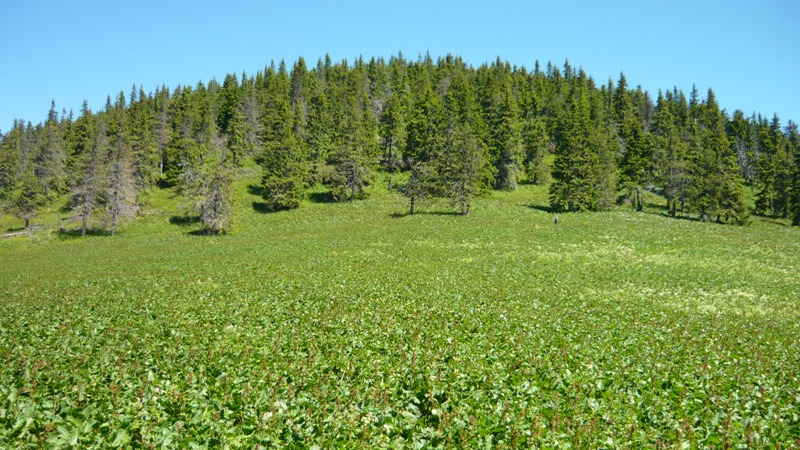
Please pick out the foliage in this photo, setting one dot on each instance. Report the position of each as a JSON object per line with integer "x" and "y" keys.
{"x": 344, "y": 326}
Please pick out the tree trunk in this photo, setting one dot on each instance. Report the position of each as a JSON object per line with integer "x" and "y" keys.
{"x": 639, "y": 205}
{"x": 28, "y": 225}
{"x": 411, "y": 211}
{"x": 85, "y": 222}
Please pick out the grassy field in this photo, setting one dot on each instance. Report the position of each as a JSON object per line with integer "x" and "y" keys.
{"x": 356, "y": 326}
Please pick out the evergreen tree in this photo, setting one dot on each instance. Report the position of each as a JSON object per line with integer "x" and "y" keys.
{"x": 670, "y": 156}
{"x": 464, "y": 160}
{"x": 319, "y": 129}
{"x": 120, "y": 187}
{"x": 393, "y": 120}
{"x": 213, "y": 200}
{"x": 30, "y": 199}
{"x": 635, "y": 166}
{"x": 145, "y": 153}
{"x": 582, "y": 177}
{"x": 794, "y": 195}
{"x": 284, "y": 174}
{"x": 536, "y": 144}
{"x": 713, "y": 184}
{"x": 51, "y": 158}
{"x": 90, "y": 186}
{"x": 10, "y": 162}
{"x": 425, "y": 129}
{"x": 505, "y": 128}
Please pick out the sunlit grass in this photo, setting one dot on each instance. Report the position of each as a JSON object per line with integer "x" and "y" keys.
{"x": 347, "y": 325}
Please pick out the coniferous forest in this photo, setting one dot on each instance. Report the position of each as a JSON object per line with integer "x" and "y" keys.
{"x": 454, "y": 131}
{"x": 451, "y": 309}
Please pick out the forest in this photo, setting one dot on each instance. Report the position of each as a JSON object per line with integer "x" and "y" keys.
{"x": 451, "y": 130}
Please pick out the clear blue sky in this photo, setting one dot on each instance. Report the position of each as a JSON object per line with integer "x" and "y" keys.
{"x": 748, "y": 52}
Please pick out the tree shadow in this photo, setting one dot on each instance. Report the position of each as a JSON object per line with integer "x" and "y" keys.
{"x": 184, "y": 220}
{"x": 322, "y": 197}
{"x": 542, "y": 208}
{"x": 202, "y": 232}
{"x": 263, "y": 208}
{"x": 75, "y": 233}
{"x": 15, "y": 229}
{"x": 425, "y": 213}
{"x": 255, "y": 189}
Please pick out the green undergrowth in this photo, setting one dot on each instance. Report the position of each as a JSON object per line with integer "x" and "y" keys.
{"x": 358, "y": 326}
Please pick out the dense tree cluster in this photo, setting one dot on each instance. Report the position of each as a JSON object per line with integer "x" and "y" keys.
{"x": 457, "y": 131}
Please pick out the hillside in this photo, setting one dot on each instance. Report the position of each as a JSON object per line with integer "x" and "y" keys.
{"x": 355, "y": 325}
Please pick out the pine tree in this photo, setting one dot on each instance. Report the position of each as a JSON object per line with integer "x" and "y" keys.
{"x": 90, "y": 186}
{"x": 635, "y": 166}
{"x": 424, "y": 138}
{"x": 215, "y": 205}
{"x": 713, "y": 184}
{"x": 463, "y": 162}
{"x": 145, "y": 152}
{"x": 670, "y": 154}
{"x": 10, "y": 162}
{"x": 30, "y": 198}
{"x": 319, "y": 129}
{"x": 284, "y": 174}
{"x": 536, "y": 144}
{"x": 51, "y": 158}
{"x": 393, "y": 120}
{"x": 120, "y": 187}
{"x": 502, "y": 118}
{"x": 583, "y": 168}
{"x": 794, "y": 195}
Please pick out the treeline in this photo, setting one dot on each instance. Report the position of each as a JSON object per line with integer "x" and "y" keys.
{"x": 455, "y": 130}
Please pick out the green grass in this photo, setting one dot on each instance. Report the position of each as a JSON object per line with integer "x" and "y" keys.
{"x": 353, "y": 325}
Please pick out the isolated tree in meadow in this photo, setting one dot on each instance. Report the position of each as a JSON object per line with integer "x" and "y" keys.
{"x": 215, "y": 207}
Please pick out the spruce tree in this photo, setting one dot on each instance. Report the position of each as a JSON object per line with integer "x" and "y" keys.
{"x": 30, "y": 199}
{"x": 215, "y": 202}
{"x": 89, "y": 189}
{"x": 463, "y": 162}
{"x": 51, "y": 158}
{"x": 120, "y": 187}
{"x": 669, "y": 156}
{"x": 794, "y": 195}
{"x": 10, "y": 162}
{"x": 393, "y": 120}
{"x": 284, "y": 174}
{"x": 583, "y": 171}
{"x": 713, "y": 179}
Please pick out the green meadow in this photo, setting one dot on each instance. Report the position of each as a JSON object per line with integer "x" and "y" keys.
{"x": 357, "y": 326}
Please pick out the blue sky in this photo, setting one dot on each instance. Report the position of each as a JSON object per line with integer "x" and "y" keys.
{"x": 748, "y": 52}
